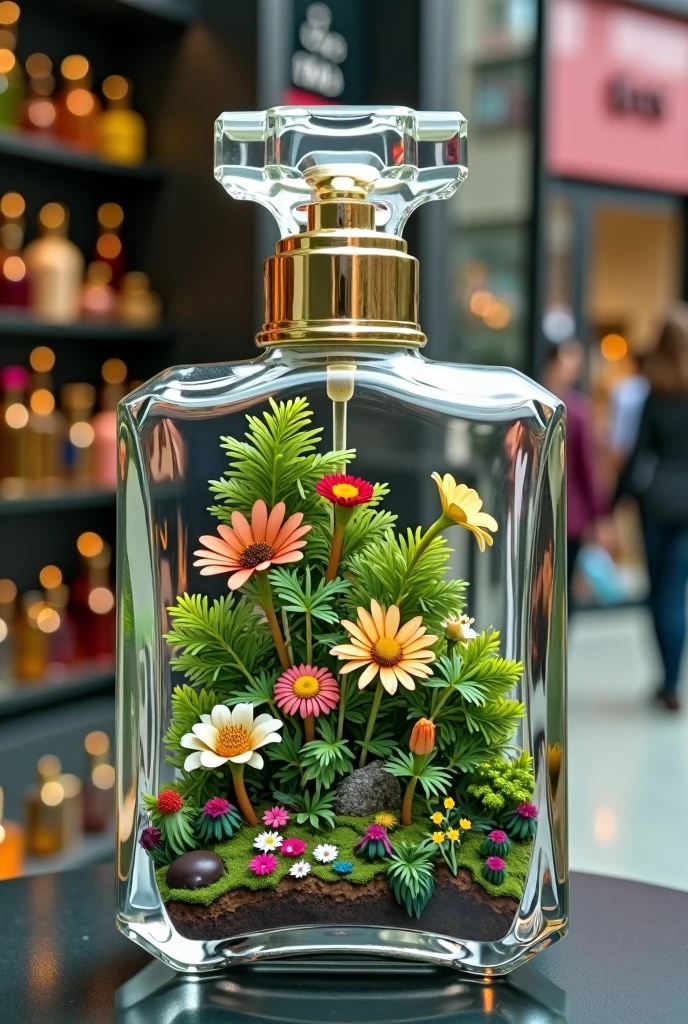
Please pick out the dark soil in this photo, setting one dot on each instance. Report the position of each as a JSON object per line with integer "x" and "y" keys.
{"x": 459, "y": 908}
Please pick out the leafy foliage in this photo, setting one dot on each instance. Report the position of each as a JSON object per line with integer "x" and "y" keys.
{"x": 433, "y": 779}
{"x": 288, "y": 755}
{"x": 411, "y": 876}
{"x": 302, "y": 598}
{"x": 393, "y": 572}
{"x": 176, "y": 829}
{"x": 327, "y": 757}
{"x": 368, "y": 525}
{"x": 215, "y": 830}
{"x": 501, "y": 785}
{"x": 315, "y": 808}
{"x": 187, "y": 707}
{"x": 220, "y": 643}
{"x": 277, "y": 462}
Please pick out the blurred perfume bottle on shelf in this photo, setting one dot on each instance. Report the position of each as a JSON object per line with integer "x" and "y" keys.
{"x": 77, "y": 106}
{"x": 55, "y": 266}
{"x": 104, "y": 423}
{"x": 77, "y": 401}
{"x": 11, "y": 75}
{"x": 56, "y": 622}
{"x": 8, "y": 599}
{"x": 14, "y": 421}
{"x": 30, "y": 638}
{"x": 13, "y": 277}
{"x": 38, "y": 112}
{"x": 47, "y": 427}
{"x": 98, "y": 297}
{"x": 109, "y": 247}
{"x": 43, "y": 809}
{"x": 11, "y": 844}
{"x": 72, "y": 806}
{"x": 99, "y": 802}
{"x": 138, "y": 306}
{"x": 92, "y": 599}
{"x": 121, "y": 130}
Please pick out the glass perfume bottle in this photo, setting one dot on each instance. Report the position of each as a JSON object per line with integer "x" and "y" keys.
{"x": 326, "y": 743}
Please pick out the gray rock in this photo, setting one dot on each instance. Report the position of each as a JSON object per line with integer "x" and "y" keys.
{"x": 367, "y": 791}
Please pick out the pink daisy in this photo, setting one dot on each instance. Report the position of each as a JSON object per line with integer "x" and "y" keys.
{"x": 263, "y": 864}
{"x": 276, "y": 817}
{"x": 244, "y": 548}
{"x": 306, "y": 690}
{"x": 292, "y": 847}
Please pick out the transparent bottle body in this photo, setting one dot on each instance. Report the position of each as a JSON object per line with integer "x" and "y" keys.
{"x": 494, "y": 430}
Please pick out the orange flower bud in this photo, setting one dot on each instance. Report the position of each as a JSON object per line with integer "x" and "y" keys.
{"x": 423, "y": 737}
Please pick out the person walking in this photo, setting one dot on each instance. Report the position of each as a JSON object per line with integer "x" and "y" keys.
{"x": 657, "y": 476}
{"x": 563, "y": 370}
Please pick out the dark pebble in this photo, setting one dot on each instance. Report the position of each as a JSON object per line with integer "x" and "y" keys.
{"x": 194, "y": 870}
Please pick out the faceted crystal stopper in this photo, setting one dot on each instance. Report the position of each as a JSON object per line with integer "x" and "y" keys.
{"x": 393, "y": 157}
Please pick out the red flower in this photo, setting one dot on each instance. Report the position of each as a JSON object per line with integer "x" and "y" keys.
{"x": 169, "y": 802}
{"x": 292, "y": 847}
{"x": 341, "y": 489}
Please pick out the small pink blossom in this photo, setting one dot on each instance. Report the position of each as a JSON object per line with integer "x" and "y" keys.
{"x": 293, "y": 847}
{"x": 276, "y": 817}
{"x": 526, "y": 810}
{"x": 495, "y": 864}
{"x": 498, "y": 836}
{"x": 216, "y": 807}
{"x": 263, "y": 864}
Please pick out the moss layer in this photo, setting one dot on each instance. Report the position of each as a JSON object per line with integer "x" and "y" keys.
{"x": 237, "y": 852}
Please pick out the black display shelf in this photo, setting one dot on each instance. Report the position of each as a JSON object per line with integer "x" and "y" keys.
{"x": 55, "y": 501}
{"x": 22, "y": 325}
{"x": 173, "y": 12}
{"x": 19, "y": 145}
{"x": 29, "y": 697}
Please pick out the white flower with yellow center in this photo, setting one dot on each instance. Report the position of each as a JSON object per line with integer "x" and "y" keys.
{"x": 325, "y": 853}
{"x": 459, "y": 628}
{"x": 230, "y": 735}
{"x": 268, "y": 842}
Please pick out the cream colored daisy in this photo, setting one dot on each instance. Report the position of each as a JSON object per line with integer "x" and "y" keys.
{"x": 462, "y": 505}
{"x": 380, "y": 644}
{"x": 233, "y": 736}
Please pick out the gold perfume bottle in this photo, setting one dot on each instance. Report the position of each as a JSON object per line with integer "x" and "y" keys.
{"x": 43, "y": 809}
{"x": 56, "y": 268}
{"x": 121, "y": 130}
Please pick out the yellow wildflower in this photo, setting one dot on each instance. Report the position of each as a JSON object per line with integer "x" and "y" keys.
{"x": 385, "y": 819}
{"x": 465, "y": 824}
{"x": 437, "y": 818}
{"x": 462, "y": 505}
{"x": 438, "y": 837}
{"x": 449, "y": 803}
{"x": 453, "y": 834}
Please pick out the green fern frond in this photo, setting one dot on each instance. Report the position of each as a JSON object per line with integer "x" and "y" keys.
{"x": 187, "y": 707}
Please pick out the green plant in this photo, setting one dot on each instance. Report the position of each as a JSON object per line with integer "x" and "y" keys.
{"x": 218, "y": 821}
{"x": 501, "y": 785}
{"x": 433, "y": 779}
{"x": 174, "y": 818}
{"x": 411, "y": 876}
{"x": 325, "y": 758}
{"x": 314, "y": 808}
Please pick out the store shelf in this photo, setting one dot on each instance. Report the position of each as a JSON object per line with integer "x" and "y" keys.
{"x": 92, "y": 849}
{"x": 29, "y": 697}
{"x": 172, "y": 12}
{"x": 22, "y": 325}
{"x": 56, "y": 501}
{"x": 22, "y": 146}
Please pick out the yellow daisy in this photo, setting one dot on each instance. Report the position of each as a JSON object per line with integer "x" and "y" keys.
{"x": 449, "y": 803}
{"x": 462, "y": 505}
{"x": 453, "y": 834}
{"x": 438, "y": 837}
{"x": 437, "y": 818}
{"x": 380, "y": 644}
{"x": 465, "y": 824}
{"x": 385, "y": 819}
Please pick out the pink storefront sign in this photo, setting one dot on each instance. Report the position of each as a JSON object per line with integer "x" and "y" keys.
{"x": 617, "y": 95}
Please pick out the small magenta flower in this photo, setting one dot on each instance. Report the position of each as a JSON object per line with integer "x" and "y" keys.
{"x": 150, "y": 838}
{"x": 292, "y": 847}
{"x": 263, "y": 864}
{"x": 276, "y": 817}
{"x": 497, "y": 835}
{"x": 495, "y": 864}
{"x": 526, "y": 810}
{"x": 343, "y": 867}
{"x": 494, "y": 870}
{"x": 375, "y": 843}
{"x": 216, "y": 807}
{"x": 521, "y": 823}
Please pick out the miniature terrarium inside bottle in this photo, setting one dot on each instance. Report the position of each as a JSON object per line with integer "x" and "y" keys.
{"x": 342, "y": 604}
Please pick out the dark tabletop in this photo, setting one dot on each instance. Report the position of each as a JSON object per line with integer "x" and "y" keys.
{"x": 625, "y": 960}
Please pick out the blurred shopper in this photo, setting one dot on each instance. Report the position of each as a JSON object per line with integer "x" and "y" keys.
{"x": 562, "y": 372}
{"x": 657, "y": 476}
{"x": 627, "y": 401}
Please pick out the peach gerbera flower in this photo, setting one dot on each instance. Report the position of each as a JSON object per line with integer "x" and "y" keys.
{"x": 378, "y": 644}
{"x": 245, "y": 548}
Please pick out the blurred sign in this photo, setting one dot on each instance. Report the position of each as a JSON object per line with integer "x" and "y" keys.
{"x": 617, "y": 95}
{"x": 326, "y": 64}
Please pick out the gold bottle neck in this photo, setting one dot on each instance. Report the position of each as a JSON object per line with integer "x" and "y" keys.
{"x": 341, "y": 281}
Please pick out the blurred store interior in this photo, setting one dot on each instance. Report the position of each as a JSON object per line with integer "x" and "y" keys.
{"x": 115, "y": 262}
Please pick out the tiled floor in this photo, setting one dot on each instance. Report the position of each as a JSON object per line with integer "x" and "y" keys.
{"x": 628, "y": 759}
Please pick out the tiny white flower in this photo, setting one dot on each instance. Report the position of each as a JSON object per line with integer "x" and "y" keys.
{"x": 268, "y": 842}
{"x": 325, "y": 853}
{"x": 458, "y": 628}
{"x": 300, "y": 869}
